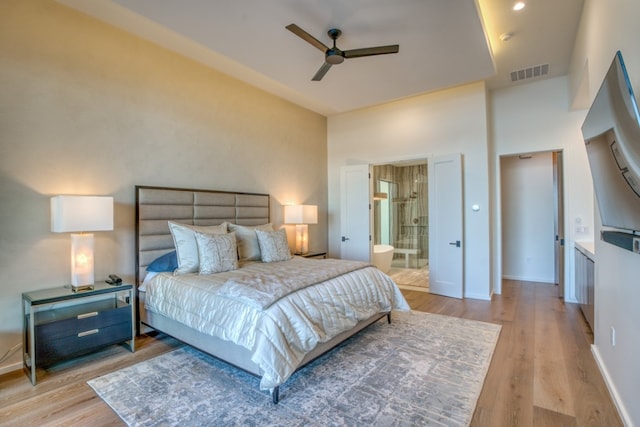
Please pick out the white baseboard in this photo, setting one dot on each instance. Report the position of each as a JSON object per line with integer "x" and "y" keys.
{"x": 484, "y": 297}
{"x": 529, "y": 279}
{"x": 622, "y": 411}
{"x": 10, "y": 368}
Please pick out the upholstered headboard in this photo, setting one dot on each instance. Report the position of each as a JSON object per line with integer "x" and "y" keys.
{"x": 155, "y": 206}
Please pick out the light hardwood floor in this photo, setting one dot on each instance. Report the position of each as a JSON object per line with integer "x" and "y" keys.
{"x": 542, "y": 372}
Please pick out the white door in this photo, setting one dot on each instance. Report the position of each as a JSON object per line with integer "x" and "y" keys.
{"x": 354, "y": 207}
{"x": 445, "y": 226}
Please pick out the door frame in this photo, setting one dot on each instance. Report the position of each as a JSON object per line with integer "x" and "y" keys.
{"x": 404, "y": 161}
{"x": 497, "y": 288}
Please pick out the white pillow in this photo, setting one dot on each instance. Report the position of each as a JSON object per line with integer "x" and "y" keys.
{"x": 217, "y": 253}
{"x": 273, "y": 245}
{"x": 186, "y": 246}
{"x": 248, "y": 248}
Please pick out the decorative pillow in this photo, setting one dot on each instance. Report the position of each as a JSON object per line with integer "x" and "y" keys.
{"x": 248, "y": 248}
{"x": 186, "y": 246}
{"x": 166, "y": 262}
{"x": 273, "y": 245}
{"x": 217, "y": 253}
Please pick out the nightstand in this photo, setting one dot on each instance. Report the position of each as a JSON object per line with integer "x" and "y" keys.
{"x": 316, "y": 255}
{"x": 59, "y": 324}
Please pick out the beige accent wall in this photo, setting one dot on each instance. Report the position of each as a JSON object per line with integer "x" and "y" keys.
{"x": 86, "y": 108}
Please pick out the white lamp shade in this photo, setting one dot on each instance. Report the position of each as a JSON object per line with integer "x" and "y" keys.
{"x": 301, "y": 214}
{"x": 81, "y": 213}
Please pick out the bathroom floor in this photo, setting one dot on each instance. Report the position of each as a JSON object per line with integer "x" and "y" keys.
{"x": 414, "y": 279}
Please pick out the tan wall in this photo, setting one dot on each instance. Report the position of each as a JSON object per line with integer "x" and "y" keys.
{"x": 88, "y": 109}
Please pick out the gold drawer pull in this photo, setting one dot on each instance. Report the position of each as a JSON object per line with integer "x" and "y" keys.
{"x": 85, "y": 315}
{"x": 85, "y": 333}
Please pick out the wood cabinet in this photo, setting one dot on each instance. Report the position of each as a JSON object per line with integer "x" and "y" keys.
{"x": 585, "y": 280}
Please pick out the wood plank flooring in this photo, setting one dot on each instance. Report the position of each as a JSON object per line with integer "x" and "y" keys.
{"x": 542, "y": 372}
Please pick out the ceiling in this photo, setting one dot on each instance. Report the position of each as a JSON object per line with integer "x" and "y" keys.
{"x": 443, "y": 43}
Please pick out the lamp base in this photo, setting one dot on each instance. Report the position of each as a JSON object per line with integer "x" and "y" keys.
{"x": 82, "y": 260}
{"x": 302, "y": 239}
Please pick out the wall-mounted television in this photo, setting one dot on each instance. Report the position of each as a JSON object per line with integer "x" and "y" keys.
{"x": 611, "y": 133}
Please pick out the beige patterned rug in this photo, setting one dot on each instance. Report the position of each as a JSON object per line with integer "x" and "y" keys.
{"x": 422, "y": 369}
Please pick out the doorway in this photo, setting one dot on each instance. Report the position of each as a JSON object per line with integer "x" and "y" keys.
{"x": 532, "y": 218}
{"x": 400, "y": 220}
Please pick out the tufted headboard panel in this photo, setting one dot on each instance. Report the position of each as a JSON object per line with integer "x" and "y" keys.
{"x": 155, "y": 206}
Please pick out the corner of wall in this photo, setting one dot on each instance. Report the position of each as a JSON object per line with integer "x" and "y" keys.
{"x": 617, "y": 400}
{"x": 579, "y": 88}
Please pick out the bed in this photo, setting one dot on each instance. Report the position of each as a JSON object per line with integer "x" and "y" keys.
{"x": 253, "y": 315}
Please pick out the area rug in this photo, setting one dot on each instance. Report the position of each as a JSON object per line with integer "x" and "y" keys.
{"x": 422, "y": 369}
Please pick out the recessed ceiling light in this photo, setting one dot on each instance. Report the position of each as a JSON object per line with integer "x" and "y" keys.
{"x": 519, "y": 5}
{"x": 505, "y": 37}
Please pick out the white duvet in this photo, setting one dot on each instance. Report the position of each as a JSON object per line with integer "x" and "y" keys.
{"x": 281, "y": 333}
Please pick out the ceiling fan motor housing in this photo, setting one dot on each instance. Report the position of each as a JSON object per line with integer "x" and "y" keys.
{"x": 334, "y": 56}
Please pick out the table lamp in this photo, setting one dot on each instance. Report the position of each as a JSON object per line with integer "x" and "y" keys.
{"x": 81, "y": 214}
{"x": 301, "y": 216}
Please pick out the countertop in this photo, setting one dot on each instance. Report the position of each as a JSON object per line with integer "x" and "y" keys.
{"x": 588, "y": 248}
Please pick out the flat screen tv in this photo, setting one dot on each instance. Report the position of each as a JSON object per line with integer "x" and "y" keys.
{"x": 611, "y": 133}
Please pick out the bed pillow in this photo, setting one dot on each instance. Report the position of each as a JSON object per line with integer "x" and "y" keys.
{"x": 217, "y": 252}
{"x": 186, "y": 246}
{"x": 273, "y": 245}
{"x": 166, "y": 262}
{"x": 248, "y": 247}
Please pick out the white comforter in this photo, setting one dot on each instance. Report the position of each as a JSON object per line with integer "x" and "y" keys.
{"x": 280, "y": 334}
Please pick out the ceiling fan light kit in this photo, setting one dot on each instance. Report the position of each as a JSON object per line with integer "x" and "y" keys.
{"x": 333, "y": 55}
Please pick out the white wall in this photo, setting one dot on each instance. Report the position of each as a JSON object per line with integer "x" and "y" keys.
{"x": 528, "y": 218}
{"x": 451, "y": 121}
{"x": 534, "y": 118}
{"x": 608, "y": 26}
{"x": 89, "y": 109}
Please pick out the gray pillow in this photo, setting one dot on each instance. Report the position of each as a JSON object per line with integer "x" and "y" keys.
{"x": 186, "y": 246}
{"x": 217, "y": 253}
{"x": 274, "y": 246}
{"x": 248, "y": 248}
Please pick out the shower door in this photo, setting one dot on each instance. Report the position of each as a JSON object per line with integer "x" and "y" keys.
{"x": 385, "y": 221}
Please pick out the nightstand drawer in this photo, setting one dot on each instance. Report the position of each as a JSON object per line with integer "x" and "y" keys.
{"x": 52, "y": 325}
{"x": 82, "y": 342}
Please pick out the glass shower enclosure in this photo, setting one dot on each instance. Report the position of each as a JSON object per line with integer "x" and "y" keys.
{"x": 400, "y": 212}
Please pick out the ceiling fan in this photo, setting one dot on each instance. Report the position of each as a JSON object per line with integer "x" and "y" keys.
{"x": 333, "y": 55}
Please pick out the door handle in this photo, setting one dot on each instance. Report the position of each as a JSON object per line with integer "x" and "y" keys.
{"x": 344, "y": 239}
{"x": 456, "y": 243}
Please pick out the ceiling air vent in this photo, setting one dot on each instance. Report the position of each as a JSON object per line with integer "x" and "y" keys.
{"x": 530, "y": 73}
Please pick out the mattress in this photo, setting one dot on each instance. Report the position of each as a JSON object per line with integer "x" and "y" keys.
{"x": 327, "y": 298}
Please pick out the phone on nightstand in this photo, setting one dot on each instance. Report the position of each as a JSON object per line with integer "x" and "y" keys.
{"x": 114, "y": 280}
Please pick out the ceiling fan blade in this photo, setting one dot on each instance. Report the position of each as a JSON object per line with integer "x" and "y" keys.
{"x": 370, "y": 51}
{"x": 306, "y": 37}
{"x": 321, "y": 72}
